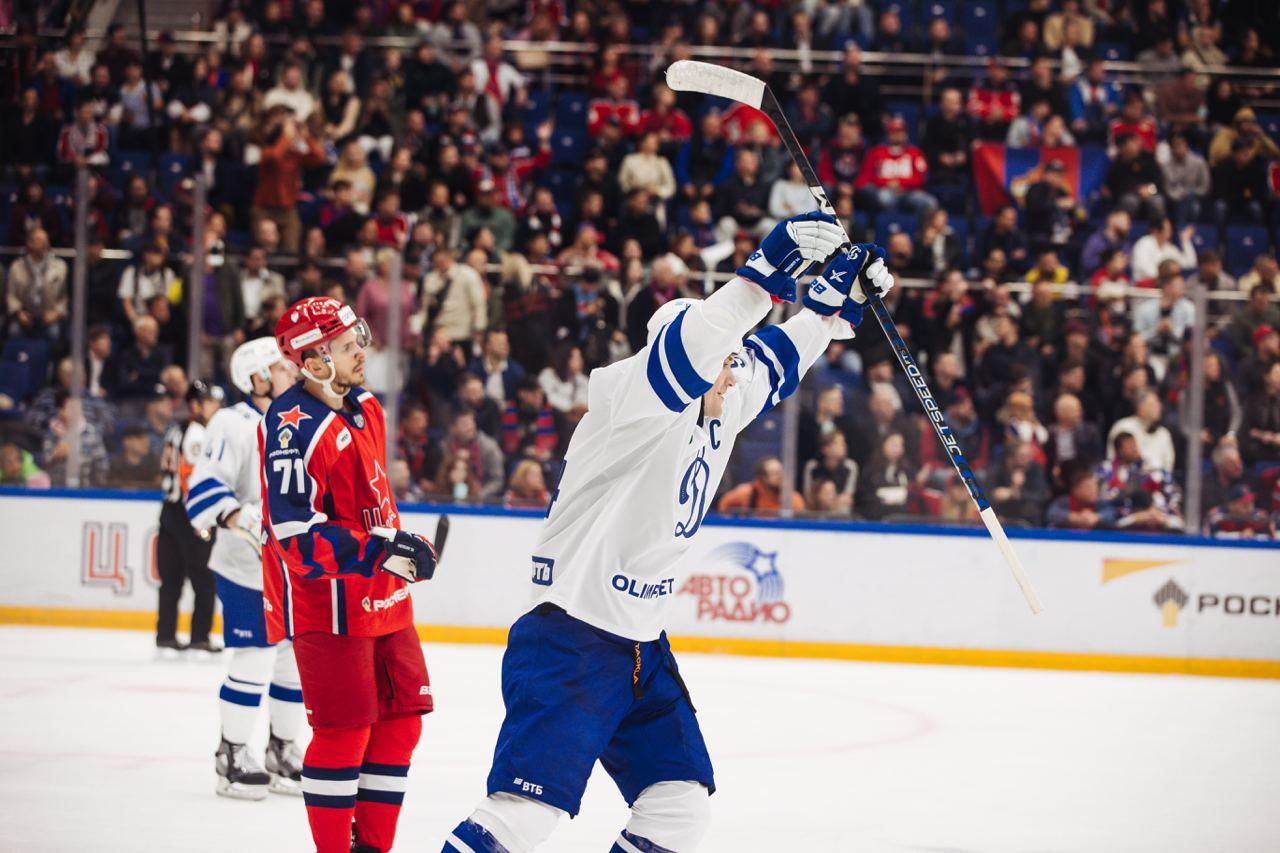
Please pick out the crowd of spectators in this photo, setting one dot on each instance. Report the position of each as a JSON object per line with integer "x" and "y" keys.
{"x": 535, "y": 224}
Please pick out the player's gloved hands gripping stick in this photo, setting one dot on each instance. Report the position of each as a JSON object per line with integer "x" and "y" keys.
{"x": 853, "y": 275}
{"x": 789, "y": 249}
{"x": 408, "y": 555}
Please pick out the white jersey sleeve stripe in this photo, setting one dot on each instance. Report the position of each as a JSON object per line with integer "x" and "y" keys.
{"x": 780, "y": 353}
{"x": 672, "y": 375}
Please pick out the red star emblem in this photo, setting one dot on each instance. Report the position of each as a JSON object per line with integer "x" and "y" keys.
{"x": 293, "y": 417}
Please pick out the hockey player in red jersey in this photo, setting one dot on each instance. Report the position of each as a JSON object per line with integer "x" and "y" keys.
{"x": 335, "y": 588}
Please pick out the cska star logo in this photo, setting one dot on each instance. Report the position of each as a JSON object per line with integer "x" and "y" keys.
{"x": 293, "y": 417}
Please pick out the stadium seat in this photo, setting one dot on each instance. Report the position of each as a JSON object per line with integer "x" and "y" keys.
{"x": 32, "y": 354}
{"x": 1270, "y": 123}
{"x": 571, "y": 111}
{"x": 129, "y": 162}
{"x": 980, "y": 18}
{"x": 1113, "y": 51}
{"x": 762, "y": 438}
{"x": 569, "y": 145}
{"x": 980, "y": 45}
{"x": 1138, "y": 230}
{"x": 173, "y": 168}
{"x": 937, "y": 9}
{"x": 960, "y": 226}
{"x": 15, "y": 379}
{"x": 1244, "y": 244}
{"x": 1205, "y": 237}
{"x": 906, "y": 12}
{"x": 889, "y": 222}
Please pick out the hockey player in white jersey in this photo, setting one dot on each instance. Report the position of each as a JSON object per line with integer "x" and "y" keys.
{"x": 225, "y": 495}
{"x": 588, "y": 673}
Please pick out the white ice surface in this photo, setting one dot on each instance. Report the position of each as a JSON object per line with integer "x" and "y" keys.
{"x": 104, "y": 749}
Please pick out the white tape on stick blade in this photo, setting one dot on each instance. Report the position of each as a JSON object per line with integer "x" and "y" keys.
{"x": 689, "y": 75}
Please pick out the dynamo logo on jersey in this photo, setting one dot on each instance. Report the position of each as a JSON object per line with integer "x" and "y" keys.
{"x": 739, "y": 583}
{"x": 694, "y": 486}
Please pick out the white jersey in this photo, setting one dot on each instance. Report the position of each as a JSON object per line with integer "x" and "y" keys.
{"x": 644, "y": 463}
{"x": 226, "y": 478}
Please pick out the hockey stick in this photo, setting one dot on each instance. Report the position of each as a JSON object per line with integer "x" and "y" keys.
{"x": 692, "y": 76}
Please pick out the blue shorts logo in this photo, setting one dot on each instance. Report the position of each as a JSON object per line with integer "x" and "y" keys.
{"x": 693, "y": 495}
{"x": 542, "y": 567}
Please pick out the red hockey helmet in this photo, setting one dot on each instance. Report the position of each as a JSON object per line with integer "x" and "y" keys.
{"x": 312, "y": 322}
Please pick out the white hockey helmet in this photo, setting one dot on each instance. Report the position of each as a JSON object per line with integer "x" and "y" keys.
{"x": 253, "y": 358}
{"x": 667, "y": 312}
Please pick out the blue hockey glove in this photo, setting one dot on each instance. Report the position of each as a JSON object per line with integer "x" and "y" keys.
{"x": 406, "y": 555}
{"x": 843, "y": 288}
{"x": 788, "y": 251}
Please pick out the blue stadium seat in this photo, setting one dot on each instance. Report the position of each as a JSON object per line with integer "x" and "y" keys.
{"x": 129, "y": 162}
{"x": 536, "y": 109}
{"x": 983, "y": 44}
{"x": 173, "y": 168}
{"x": 762, "y": 438}
{"x": 1244, "y": 244}
{"x": 906, "y": 12}
{"x": 30, "y": 353}
{"x": 1113, "y": 51}
{"x": 15, "y": 379}
{"x": 980, "y": 18}
{"x": 862, "y": 220}
{"x": 937, "y": 9}
{"x": 571, "y": 111}
{"x": 569, "y": 145}
{"x": 1205, "y": 237}
{"x": 960, "y": 226}
{"x": 888, "y": 222}
{"x": 1270, "y": 123}
{"x": 562, "y": 182}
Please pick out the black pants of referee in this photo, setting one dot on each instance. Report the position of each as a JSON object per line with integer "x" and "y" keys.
{"x": 181, "y": 555}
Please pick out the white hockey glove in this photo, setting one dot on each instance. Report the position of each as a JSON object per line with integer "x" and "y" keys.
{"x": 247, "y": 523}
{"x": 408, "y": 555}
{"x": 843, "y": 289}
{"x": 788, "y": 251}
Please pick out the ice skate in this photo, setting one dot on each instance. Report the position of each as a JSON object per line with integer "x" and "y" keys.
{"x": 239, "y": 775}
{"x": 284, "y": 766}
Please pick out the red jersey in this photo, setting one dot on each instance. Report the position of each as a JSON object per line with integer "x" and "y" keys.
{"x": 324, "y": 485}
{"x": 904, "y": 170}
{"x": 674, "y": 123}
{"x": 741, "y": 122}
{"x": 1000, "y": 105}
{"x": 601, "y": 110}
{"x": 1144, "y": 128}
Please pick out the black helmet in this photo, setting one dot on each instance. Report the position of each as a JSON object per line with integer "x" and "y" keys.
{"x": 199, "y": 390}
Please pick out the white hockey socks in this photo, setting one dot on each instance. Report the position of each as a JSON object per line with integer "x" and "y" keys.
{"x": 285, "y": 695}
{"x": 667, "y": 817}
{"x": 247, "y": 672}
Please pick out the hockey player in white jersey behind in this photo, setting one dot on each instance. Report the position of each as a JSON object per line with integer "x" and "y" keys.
{"x": 225, "y": 494}
{"x": 588, "y": 673}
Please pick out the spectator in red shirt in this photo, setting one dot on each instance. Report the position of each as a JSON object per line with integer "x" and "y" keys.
{"x": 84, "y": 141}
{"x": 893, "y": 175}
{"x": 665, "y": 118}
{"x": 1133, "y": 120}
{"x": 393, "y": 225}
{"x": 994, "y": 102}
{"x": 840, "y": 159}
{"x": 618, "y": 105}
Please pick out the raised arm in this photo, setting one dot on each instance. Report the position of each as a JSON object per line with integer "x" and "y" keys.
{"x": 688, "y": 339}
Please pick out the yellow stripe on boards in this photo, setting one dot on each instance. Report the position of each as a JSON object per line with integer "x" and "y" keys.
{"x": 135, "y": 620}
